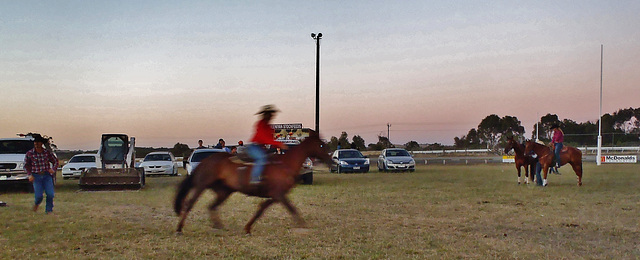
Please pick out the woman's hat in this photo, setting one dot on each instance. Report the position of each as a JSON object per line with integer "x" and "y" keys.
{"x": 554, "y": 126}
{"x": 268, "y": 109}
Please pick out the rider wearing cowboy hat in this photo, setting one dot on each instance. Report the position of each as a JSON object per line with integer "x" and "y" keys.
{"x": 262, "y": 136}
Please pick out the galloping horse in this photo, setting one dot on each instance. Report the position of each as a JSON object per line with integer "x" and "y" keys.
{"x": 568, "y": 155}
{"x": 521, "y": 159}
{"x": 225, "y": 176}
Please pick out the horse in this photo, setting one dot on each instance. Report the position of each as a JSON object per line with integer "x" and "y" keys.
{"x": 224, "y": 174}
{"x": 546, "y": 158}
{"x": 521, "y": 159}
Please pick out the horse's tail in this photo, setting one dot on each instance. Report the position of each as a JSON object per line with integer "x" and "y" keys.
{"x": 183, "y": 190}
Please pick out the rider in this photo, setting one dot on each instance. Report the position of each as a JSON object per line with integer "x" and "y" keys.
{"x": 558, "y": 138}
{"x": 262, "y": 137}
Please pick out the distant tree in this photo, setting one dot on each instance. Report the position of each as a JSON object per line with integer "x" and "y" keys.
{"x": 490, "y": 129}
{"x": 358, "y": 143}
{"x": 343, "y": 141}
{"x": 180, "y": 149}
{"x": 412, "y": 146}
{"x": 333, "y": 143}
{"x": 435, "y": 146}
{"x": 383, "y": 143}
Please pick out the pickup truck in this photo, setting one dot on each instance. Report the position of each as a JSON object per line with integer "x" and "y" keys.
{"x": 12, "y": 152}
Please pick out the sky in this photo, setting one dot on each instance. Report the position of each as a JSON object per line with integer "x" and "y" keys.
{"x": 178, "y": 71}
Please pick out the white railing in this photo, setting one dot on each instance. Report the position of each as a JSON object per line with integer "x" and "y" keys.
{"x": 584, "y": 149}
{"x": 454, "y": 151}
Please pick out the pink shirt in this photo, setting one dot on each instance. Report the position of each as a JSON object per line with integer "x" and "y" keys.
{"x": 558, "y": 136}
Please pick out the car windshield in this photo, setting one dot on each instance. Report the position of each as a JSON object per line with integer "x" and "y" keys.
{"x": 197, "y": 157}
{"x": 15, "y": 146}
{"x": 350, "y": 154}
{"x": 157, "y": 157}
{"x": 82, "y": 159}
{"x": 396, "y": 153}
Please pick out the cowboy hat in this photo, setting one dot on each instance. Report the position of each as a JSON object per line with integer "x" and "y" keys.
{"x": 268, "y": 109}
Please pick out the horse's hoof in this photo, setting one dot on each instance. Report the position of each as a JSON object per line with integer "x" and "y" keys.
{"x": 178, "y": 233}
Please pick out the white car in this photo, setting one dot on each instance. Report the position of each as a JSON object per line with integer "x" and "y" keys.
{"x": 161, "y": 163}
{"x": 198, "y": 155}
{"x": 78, "y": 163}
{"x": 396, "y": 159}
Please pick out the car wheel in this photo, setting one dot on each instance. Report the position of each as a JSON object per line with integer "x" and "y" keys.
{"x": 307, "y": 178}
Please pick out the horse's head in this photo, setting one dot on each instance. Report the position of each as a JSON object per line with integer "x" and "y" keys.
{"x": 510, "y": 144}
{"x": 316, "y": 148}
{"x": 528, "y": 146}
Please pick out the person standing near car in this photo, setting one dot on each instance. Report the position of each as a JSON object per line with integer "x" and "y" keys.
{"x": 263, "y": 136}
{"x": 40, "y": 165}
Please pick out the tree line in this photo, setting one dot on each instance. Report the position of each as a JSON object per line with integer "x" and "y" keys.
{"x": 620, "y": 128}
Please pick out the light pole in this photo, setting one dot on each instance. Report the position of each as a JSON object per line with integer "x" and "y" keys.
{"x": 317, "y": 37}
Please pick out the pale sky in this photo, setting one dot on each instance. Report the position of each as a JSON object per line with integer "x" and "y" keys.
{"x": 179, "y": 71}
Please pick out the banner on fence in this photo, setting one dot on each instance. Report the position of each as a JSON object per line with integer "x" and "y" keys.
{"x": 508, "y": 159}
{"x": 619, "y": 159}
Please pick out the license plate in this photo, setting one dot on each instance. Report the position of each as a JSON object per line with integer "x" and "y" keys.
{"x": 356, "y": 168}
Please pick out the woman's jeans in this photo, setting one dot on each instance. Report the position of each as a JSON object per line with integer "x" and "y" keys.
{"x": 43, "y": 183}
{"x": 558, "y": 148}
{"x": 260, "y": 156}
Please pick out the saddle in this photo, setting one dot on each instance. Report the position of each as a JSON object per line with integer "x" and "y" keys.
{"x": 242, "y": 157}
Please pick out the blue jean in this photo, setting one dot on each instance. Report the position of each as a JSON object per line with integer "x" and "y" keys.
{"x": 260, "y": 156}
{"x": 43, "y": 183}
{"x": 558, "y": 148}
{"x": 538, "y": 174}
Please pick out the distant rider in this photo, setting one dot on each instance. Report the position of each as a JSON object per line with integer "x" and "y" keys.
{"x": 263, "y": 136}
{"x": 558, "y": 138}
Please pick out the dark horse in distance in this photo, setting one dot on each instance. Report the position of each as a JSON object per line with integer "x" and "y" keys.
{"x": 223, "y": 175}
{"x": 545, "y": 154}
{"x": 521, "y": 159}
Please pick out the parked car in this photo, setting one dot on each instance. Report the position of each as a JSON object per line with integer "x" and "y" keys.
{"x": 349, "y": 160}
{"x": 396, "y": 159}
{"x": 161, "y": 163}
{"x": 78, "y": 163}
{"x": 198, "y": 155}
{"x": 12, "y": 152}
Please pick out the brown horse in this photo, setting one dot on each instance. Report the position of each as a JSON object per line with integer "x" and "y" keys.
{"x": 545, "y": 154}
{"x": 226, "y": 176}
{"x": 521, "y": 159}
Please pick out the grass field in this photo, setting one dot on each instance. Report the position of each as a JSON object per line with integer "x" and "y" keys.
{"x": 437, "y": 212}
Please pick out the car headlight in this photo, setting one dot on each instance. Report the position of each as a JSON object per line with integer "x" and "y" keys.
{"x": 344, "y": 163}
{"x": 21, "y": 165}
{"x": 366, "y": 161}
{"x": 412, "y": 161}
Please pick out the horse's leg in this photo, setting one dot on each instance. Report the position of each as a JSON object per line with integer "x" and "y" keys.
{"x": 188, "y": 205}
{"x": 518, "y": 167}
{"x": 578, "y": 169}
{"x": 526, "y": 173}
{"x": 221, "y": 196}
{"x": 264, "y": 205}
{"x": 293, "y": 211}
{"x": 545, "y": 169}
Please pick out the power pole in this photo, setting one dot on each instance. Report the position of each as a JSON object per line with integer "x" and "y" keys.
{"x": 388, "y": 137}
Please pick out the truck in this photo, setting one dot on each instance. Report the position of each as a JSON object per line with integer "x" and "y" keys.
{"x": 12, "y": 153}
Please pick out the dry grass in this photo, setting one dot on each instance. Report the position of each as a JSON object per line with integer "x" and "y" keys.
{"x": 437, "y": 212}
